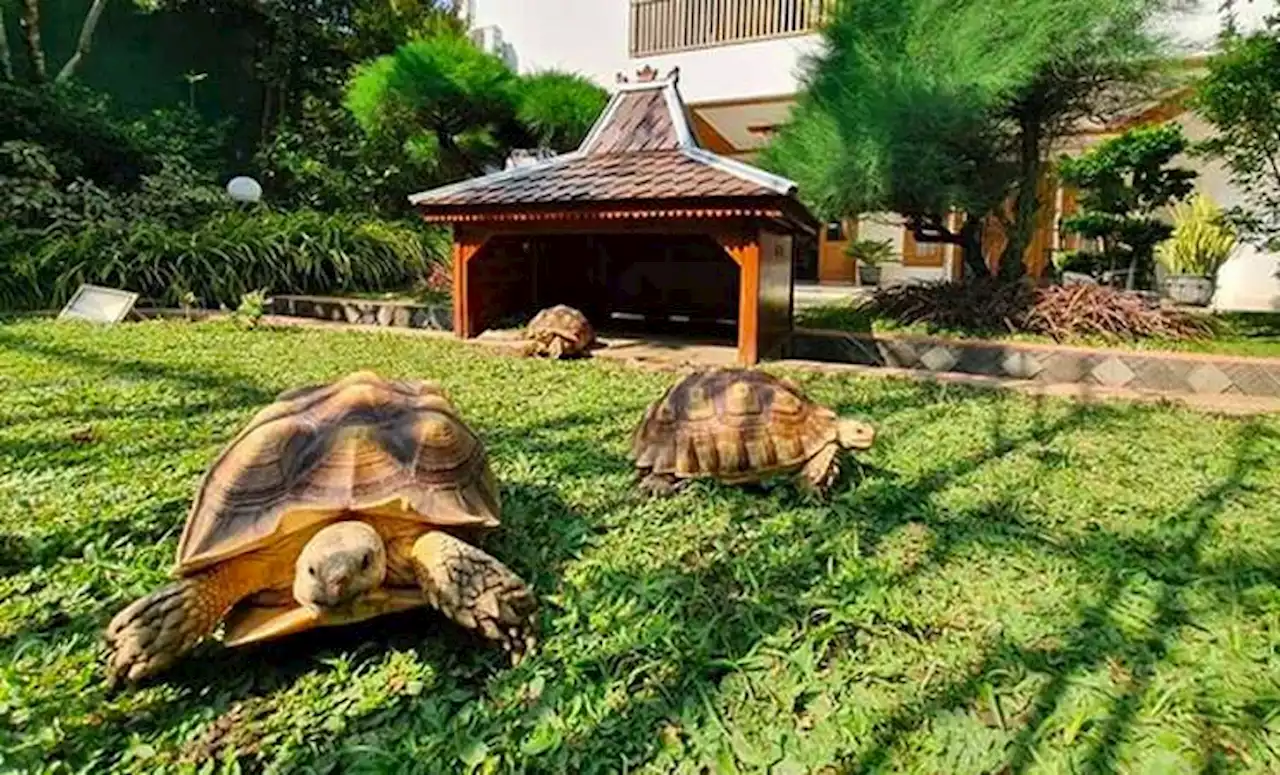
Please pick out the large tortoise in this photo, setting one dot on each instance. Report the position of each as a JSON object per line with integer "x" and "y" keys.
{"x": 738, "y": 426}
{"x": 336, "y": 504}
{"x": 559, "y": 332}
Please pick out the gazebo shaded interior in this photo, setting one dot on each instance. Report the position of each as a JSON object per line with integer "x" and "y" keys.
{"x": 638, "y": 282}
{"x": 640, "y": 229}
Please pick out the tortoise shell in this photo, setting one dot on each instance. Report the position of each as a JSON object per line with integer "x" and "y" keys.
{"x": 735, "y": 425}
{"x": 564, "y": 323}
{"x": 362, "y": 445}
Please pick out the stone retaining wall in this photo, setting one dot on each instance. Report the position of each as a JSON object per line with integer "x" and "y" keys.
{"x": 398, "y": 314}
{"x": 1169, "y": 372}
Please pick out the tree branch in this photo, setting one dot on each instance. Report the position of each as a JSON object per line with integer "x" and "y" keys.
{"x": 35, "y": 49}
{"x": 6, "y": 60}
{"x": 86, "y": 38}
{"x": 930, "y": 228}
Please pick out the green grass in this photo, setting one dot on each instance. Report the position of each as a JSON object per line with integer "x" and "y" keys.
{"x": 1239, "y": 333}
{"x": 1014, "y": 585}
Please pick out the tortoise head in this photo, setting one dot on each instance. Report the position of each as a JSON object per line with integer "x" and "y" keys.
{"x": 338, "y": 565}
{"x": 855, "y": 434}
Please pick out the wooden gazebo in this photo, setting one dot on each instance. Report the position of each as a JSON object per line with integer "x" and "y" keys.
{"x": 640, "y": 224}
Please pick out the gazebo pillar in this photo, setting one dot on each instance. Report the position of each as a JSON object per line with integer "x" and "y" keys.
{"x": 467, "y": 243}
{"x": 744, "y": 249}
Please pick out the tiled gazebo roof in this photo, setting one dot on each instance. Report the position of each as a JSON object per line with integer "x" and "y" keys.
{"x": 640, "y": 158}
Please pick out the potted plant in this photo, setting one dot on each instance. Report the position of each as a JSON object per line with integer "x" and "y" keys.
{"x": 870, "y": 254}
{"x": 1200, "y": 243}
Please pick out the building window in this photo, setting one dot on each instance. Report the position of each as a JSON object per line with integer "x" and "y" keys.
{"x": 835, "y": 231}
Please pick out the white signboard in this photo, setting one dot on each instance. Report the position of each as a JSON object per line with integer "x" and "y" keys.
{"x": 98, "y": 305}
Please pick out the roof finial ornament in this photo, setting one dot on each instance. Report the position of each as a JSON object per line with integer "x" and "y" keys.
{"x": 674, "y": 75}
{"x": 647, "y": 75}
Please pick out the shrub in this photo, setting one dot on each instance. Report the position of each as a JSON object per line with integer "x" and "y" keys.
{"x": 1201, "y": 239}
{"x": 80, "y": 134}
{"x": 1079, "y": 311}
{"x": 870, "y": 252}
{"x": 232, "y": 254}
{"x": 988, "y": 305}
{"x": 983, "y": 304}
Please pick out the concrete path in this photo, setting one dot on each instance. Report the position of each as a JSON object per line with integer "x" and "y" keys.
{"x": 676, "y": 355}
{"x": 809, "y": 295}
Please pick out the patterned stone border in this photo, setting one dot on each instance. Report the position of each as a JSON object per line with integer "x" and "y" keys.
{"x": 397, "y": 314}
{"x": 1169, "y": 372}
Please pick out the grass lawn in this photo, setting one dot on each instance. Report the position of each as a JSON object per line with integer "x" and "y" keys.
{"x": 1242, "y": 333}
{"x": 1016, "y": 585}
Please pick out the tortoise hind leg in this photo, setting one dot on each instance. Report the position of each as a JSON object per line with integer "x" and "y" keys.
{"x": 153, "y": 632}
{"x": 822, "y": 471}
{"x": 477, "y": 591}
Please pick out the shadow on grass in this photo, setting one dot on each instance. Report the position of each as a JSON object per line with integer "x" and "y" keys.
{"x": 1095, "y": 639}
{"x": 730, "y": 594}
{"x": 731, "y": 606}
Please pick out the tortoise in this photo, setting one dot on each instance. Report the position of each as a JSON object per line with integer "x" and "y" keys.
{"x": 740, "y": 426}
{"x": 559, "y": 332}
{"x": 336, "y": 504}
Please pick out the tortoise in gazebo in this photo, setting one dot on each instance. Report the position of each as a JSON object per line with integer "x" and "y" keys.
{"x": 335, "y": 504}
{"x": 559, "y": 332}
{"x": 739, "y": 426}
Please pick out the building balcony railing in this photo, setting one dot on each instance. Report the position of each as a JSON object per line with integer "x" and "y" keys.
{"x": 666, "y": 26}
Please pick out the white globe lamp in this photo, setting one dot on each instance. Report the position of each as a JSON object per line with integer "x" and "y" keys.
{"x": 244, "y": 189}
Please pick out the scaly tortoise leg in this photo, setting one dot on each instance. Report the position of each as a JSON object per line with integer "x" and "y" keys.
{"x": 154, "y": 631}
{"x": 477, "y": 591}
{"x": 822, "y": 471}
{"x": 661, "y": 485}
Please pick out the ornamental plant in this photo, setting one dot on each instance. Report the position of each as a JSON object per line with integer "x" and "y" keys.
{"x": 1201, "y": 240}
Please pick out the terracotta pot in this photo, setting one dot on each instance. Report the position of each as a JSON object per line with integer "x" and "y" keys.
{"x": 1193, "y": 290}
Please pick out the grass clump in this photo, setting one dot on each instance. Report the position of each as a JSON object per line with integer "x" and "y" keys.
{"x": 1016, "y": 584}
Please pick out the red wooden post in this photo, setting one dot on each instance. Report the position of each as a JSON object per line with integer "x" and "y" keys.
{"x": 745, "y": 251}
{"x": 467, "y": 243}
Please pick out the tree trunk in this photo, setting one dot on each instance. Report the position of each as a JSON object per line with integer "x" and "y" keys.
{"x": 83, "y": 43}
{"x": 35, "y": 49}
{"x": 975, "y": 263}
{"x": 450, "y": 148}
{"x": 1027, "y": 205}
{"x": 6, "y": 59}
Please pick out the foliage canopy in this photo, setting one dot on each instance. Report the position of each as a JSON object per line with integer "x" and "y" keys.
{"x": 922, "y": 107}
{"x": 1240, "y": 97}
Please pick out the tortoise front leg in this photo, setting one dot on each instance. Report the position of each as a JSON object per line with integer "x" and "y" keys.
{"x": 153, "y": 632}
{"x": 477, "y": 591}
{"x": 558, "y": 348}
{"x": 822, "y": 471}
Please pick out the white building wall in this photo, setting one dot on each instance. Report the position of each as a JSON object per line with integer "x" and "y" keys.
{"x": 1250, "y": 279}
{"x": 590, "y": 37}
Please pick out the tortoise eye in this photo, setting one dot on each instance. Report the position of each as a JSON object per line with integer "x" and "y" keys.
{"x": 312, "y": 571}
{"x": 364, "y": 563}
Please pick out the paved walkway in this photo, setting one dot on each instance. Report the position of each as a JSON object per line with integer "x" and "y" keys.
{"x": 810, "y": 295}
{"x": 676, "y": 355}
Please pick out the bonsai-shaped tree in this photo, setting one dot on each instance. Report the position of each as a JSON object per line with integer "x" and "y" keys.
{"x": 1123, "y": 183}
{"x": 458, "y": 111}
